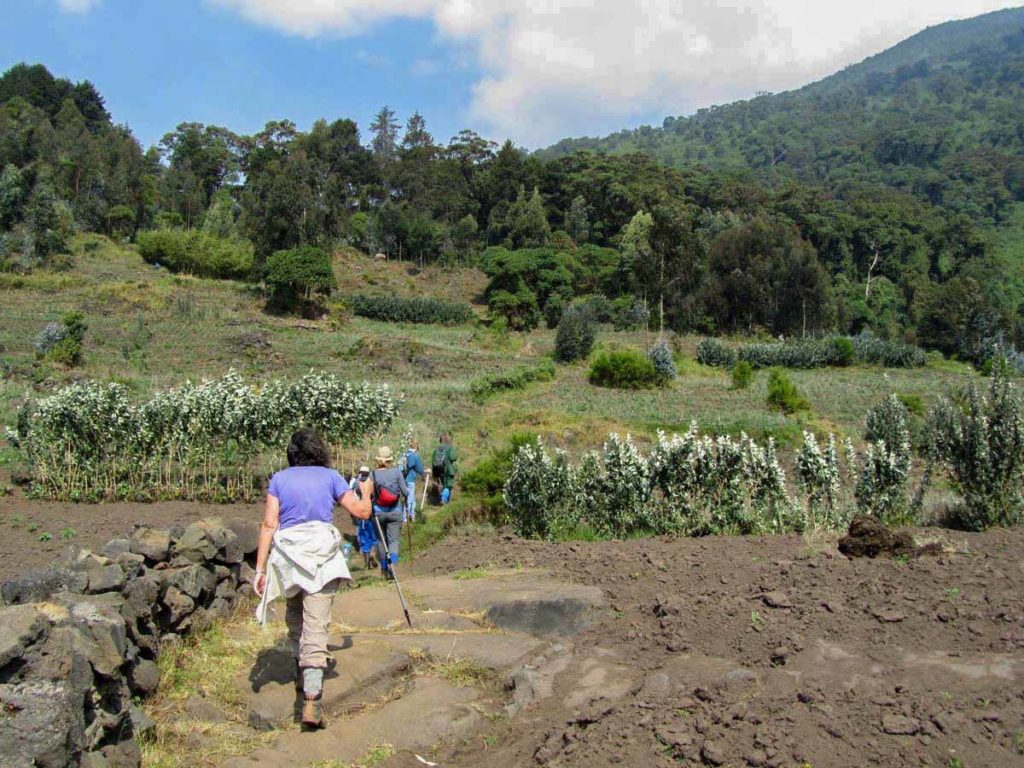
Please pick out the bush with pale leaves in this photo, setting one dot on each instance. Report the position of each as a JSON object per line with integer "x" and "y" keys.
{"x": 90, "y": 441}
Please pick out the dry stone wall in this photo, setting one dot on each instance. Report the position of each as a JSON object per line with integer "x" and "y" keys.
{"x": 79, "y": 641}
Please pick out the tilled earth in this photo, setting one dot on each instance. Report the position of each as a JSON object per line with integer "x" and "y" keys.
{"x": 35, "y": 533}
{"x": 773, "y": 652}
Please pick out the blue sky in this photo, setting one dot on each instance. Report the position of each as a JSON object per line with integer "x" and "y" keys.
{"x": 531, "y": 70}
{"x": 160, "y": 63}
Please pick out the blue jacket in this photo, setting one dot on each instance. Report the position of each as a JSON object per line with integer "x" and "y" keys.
{"x": 413, "y": 466}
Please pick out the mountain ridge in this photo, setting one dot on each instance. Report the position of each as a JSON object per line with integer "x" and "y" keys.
{"x": 939, "y": 115}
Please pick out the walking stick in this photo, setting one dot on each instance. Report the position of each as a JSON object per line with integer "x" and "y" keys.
{"x": 412, "y": 562}
{"x": 394, "y": 574}
{"x": 426, "y": 485}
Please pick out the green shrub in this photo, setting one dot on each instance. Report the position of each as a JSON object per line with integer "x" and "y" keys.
{"x": 889, "y": 422}
{"x": 297, "y": 276}
{"x": 66, "y": 352}
{"x": 600, "y": 306}
{"x": 798, "y": 353}
{"x": 553, "y": 311}
{"x": 714, "y": 352}
{"x": 661, "y": 356}
{"x": 837, "y": 351}
{"x": 890, "y": 354}
{"x": 576, "y": 334}
{"x": 63, "y": 343}
{"x": 197, "y": 253}
{"x": 487, "y": 479}
{"x": 686, "y": 484}
{"x": 628, "y": 314}
{"x": 980, "y": 443}
{"x": 783, "y": 394}
{"x": 398, "y": 309}
{"x": 485, "y": 386}
{"x": 742, "y": 375}
{"x": 624, "y": 369}
{"x": 883, "y": 484}
{"x": 912, "y": 402}
{"x": 519, "y": 309}
{"x": 843, "y": 352}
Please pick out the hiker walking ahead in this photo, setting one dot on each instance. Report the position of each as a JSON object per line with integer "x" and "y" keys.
{"x": 366, "y": 531}
{"x": 389, "y": 500}
{"x": 445, "y": 466}
{"x": 299, "y": 556}
{"x": 412, "y": 466}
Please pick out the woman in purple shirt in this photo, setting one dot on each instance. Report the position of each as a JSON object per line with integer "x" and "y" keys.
{"x": 299, "y": 556}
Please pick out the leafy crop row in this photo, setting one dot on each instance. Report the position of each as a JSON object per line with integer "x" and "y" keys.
{"x": 693, "y": 484}
{"x": 396, "y": 309}
{"x": 838, "y": 351}
{"x": 90, "y": 441}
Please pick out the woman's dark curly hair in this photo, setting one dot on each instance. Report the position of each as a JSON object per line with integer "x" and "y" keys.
{"x": 307, "y": 449}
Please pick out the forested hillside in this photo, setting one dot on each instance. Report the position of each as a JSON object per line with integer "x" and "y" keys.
{"x": 881, "y": 200}
{"x": 940, "y": 115}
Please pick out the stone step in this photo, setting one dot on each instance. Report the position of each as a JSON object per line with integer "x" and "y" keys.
{"x": 526, "y": 601}
{"x": 499, "y": 652}
{"x": 362, "y": 672}
{"x": 433, "y": 710}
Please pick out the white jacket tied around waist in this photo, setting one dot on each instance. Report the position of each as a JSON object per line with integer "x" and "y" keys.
{"x": 303, "y": 557}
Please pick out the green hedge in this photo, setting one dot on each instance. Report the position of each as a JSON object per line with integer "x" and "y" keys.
{"x": 890, "y": 354}
{"x": 485, "y": 386}
{"x": 625, "y": 369}
{"x": 715, "y": 353}
{"x": 837, "y": 351}
{"x": 197, "y": 253}
{"x": 396, "y": 309}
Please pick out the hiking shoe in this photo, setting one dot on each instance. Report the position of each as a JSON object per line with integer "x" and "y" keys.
{"x": 313, "y": 711}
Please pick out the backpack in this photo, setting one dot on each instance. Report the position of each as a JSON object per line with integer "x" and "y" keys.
{"x": 382, "y": 495}
{"x": 439, "y": 461}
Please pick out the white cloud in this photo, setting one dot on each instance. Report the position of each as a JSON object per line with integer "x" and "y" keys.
{"x": 77, "y": 6}
{"x": 552, "y": 68}
{"x": 426, "y": 68}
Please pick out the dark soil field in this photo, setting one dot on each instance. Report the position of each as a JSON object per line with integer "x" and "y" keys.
{"x": 776, "y": 652}
{"x": 24, "y": 525}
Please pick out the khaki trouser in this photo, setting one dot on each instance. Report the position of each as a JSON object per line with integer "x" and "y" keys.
{"x": 308, "y": 617}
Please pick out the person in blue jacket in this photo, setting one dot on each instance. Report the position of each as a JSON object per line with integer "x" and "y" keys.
{"x": 366, "y": 530}
{"x": 412, "y": 465}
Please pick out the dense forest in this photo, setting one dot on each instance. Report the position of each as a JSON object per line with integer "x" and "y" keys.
{"x": 868, "y": 202}
{"x": 941, "y": 115}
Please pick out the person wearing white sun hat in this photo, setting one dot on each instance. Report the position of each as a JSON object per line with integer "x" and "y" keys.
{"x": 389, "y": 506}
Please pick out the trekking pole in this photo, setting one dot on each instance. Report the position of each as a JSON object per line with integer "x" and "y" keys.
{"x": 394, "y": 574}
{"x": 412, "y": 562}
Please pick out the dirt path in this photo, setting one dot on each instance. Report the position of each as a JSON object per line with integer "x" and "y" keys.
{"x": 25, "y": 523}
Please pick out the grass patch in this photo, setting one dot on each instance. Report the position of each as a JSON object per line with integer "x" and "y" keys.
{"x": 211, "y": 662}
{"x": 210, "y": 665}
{"x": 470, "y": 573}
{"x": 197, "y": 744}
{"x": 462, "y": 673}
{"x": 376, "y": 755}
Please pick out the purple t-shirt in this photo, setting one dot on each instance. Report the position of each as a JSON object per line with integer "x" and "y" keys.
{"x": 306, "y": 494}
